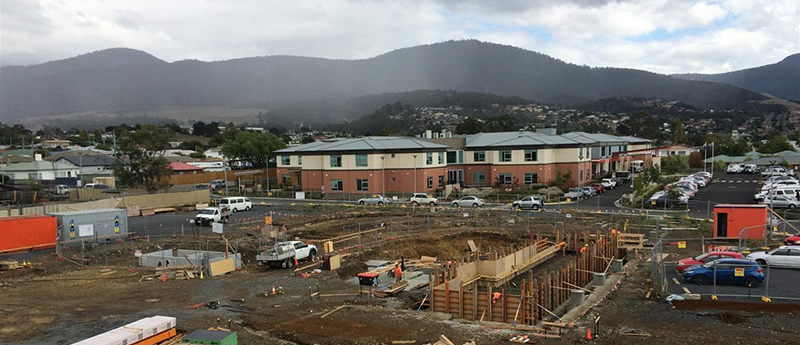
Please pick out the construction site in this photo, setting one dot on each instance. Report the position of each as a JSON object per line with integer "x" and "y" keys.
{"x": 469, "y": 276}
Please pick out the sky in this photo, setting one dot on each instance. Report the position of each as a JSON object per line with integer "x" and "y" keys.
{"x": 663, "y": 36}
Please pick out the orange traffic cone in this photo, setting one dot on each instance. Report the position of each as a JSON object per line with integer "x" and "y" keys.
{"x": 295, "y": 262}
{"x": 273, "y": 291}
{"x": 163, "y": 277}
{"x": 588, "y": 334}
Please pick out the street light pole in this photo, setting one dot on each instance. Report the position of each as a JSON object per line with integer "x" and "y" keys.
{"x": 383, "y": 176}
{"x": 415, "y": 174}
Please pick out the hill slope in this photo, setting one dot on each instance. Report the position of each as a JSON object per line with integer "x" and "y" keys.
{"x": 125, "y": 79}
{"x": 781, "y": 79}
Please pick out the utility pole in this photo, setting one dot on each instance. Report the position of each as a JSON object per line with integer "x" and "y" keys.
{"x": 415, "y": 174}
{"x": 383, "y": 176}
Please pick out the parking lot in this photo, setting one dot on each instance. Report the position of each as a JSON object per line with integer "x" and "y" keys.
{"x": 779, "y": 284}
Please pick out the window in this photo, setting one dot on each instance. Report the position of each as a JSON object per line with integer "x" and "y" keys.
{"x": 441, "y": 157}
{"x": 531, "y": 178}
{"x": 285, "y": 160}
{"x": 336, "y": 161}
{"x": 505, "y": 156}
{"x": 428, "y": 158}
{"x": 441, "y": 180}
{"x": 299, "y": 160}
{"x": 451, "y": 157}
{"x": 34, "y": 176}
{"x": 336, "y": 184}
{"x": 531, "y": 155}
{"x": 362, "y": 184}
{"x": 479, "y": 177}
{"x": 393, "y": 155}
{"x": 361, "y": 160}
{"x": 602, "y": 151}
{"x": 430, "y": 181}
{"x": 460, "y": 157}
{"x": 505, "y": 178}
{"x": 580, "y": 175}
{"x": 479, "y": 156}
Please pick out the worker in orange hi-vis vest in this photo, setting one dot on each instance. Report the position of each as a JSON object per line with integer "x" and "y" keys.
{"x": 496, "y": 297}
{"x": 398, "y": 273}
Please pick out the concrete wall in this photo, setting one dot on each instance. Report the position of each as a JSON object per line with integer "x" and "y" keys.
{"x": 176, "y": 258}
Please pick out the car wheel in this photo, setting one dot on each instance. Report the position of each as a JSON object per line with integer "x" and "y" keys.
{"x": 751, "y": 282}
{"x": 312, "y": 255}
{"x": 247, "y": 208}
{"x": 475, "y": 205}
{"x": 792, "y": 206}
{"x": 289, "y": 262}
{"x": 414, "y": 203}
{"x": 234, "y": 210}
{"x": 535, "y": 207}
{"x": 432, "y": 204}
{"x": 455, "y": 204}
{"x": 380, "y": 203}
{"x": 761, "y": 262}
{"x": 700, "y": 280}
{"x": 361, "y": 203}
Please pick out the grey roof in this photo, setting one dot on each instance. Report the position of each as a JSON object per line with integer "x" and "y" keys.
{"x": 366, "y": 144}
{"x": 792, "y": 160}
{"x": 594, "y": 138}
{"x": 521, "y": 138}
{"x": 38, "y": 166}
{"x": 89, "y": 161}
{"x": 634, "y": 140}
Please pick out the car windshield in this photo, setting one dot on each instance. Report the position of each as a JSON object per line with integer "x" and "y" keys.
{"x": 207, "y": 212}
{"x": 700, "y": 257}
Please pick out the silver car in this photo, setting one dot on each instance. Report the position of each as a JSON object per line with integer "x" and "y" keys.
{"x": 533, "y": 202}
{"x": 375, "y": 199}
{"x": 467, "y": 201}
{"x": 780, "y": 201}
{"x": 784, "y": 256}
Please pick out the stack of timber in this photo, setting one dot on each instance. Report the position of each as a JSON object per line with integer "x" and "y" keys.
{"x": 395, "y": 288}
{"x": 9, "y": 265}
{"x": 630, "y": 241}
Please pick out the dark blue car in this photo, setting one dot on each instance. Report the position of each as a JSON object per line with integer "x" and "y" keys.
{"x": 729, "y": 272}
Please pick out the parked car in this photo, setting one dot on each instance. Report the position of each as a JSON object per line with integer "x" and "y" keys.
{"x": 375, "y": 199}
{"x": 466, "y": 201}
{"x": 751, "y": 169}
{"x": 793, "y": 239}
{"x": 705, "y": 174}
{"x": 734, "y": 169}
{"x": 95, "y": 186}
{"x": 726, "y": 273}
{"x": 701, "y": 182}
{"x": 236, "y": 204}
{"x": 609, "y": 183}
{"x": 284, "y": 254}
{"x": 790, "y": 192}
{"x": 781, "y": 183}
{"x": 777, "y": 170}
{"x": 783, "y": 256}
{"x": 60, "y": 189}
{"x": 623, "y": 177}
{"x": 598, "y": 187}
{"x": 685, "y": 263}
{"x": 660, "y": 199}
{"x": 423, "y": 199}
{"x": 588, "y": 191}
{"x": 574, "y": 194}
{"x": 533, "y": 202}
{"x": 780, "y": 201}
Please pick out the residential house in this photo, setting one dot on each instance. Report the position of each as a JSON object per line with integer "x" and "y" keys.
{"x": 40, "y": 170}
{"x": 180, "y": 168}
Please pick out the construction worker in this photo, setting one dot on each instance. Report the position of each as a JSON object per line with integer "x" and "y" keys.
{"x": 496, "y": 297}
{"x": 398, "y": 273}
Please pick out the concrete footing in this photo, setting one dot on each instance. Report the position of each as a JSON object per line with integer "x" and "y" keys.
{"x": 616, "y": 265}
{"x": 599, "y": 279}
{"x": 576, "y": 297}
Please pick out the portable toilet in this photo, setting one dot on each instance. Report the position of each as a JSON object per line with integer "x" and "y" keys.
{"x": 730, "y": 220}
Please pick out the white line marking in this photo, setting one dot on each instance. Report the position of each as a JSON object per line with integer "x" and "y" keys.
{"x": 686, "y": 290}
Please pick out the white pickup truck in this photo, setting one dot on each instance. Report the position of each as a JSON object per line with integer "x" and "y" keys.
{"x": 212, "y": 215}
{"x": 283, "y": 254}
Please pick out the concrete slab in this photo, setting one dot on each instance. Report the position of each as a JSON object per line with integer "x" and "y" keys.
{"x": 376, "y": 264}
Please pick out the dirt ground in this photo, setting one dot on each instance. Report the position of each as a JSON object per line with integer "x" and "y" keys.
{"x": 59, "y": 303}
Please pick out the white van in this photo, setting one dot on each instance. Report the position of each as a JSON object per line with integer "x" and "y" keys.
{"x": 236, "y": 204}
{"x": 637, "y": 166}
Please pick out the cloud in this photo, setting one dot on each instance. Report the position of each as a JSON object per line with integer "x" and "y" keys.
{"x": 665, "y": 36}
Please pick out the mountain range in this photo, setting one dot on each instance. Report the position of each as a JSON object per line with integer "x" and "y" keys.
{"x": 780, "y": 80}
{"x": 119, "y": 79}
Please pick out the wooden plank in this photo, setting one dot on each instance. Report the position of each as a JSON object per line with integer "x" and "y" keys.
{"x": 335, "y": 262}
{"x": 222, "y": 267}
{"x": 333, "y": 311}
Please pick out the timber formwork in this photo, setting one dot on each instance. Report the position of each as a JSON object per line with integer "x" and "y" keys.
{"x": 466, "y": 291}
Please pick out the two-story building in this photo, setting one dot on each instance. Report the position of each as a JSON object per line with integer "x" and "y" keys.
{"x": 364, "y": 165}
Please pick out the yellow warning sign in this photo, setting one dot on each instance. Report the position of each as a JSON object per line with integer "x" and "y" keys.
{"x": 681, "y": 244}
{"x": 738, "y": 272}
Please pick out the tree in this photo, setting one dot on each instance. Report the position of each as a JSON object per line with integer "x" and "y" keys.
{"x": 252, "y": 147}
{"x": 776, "y": 143}
{"x": 674, "y": 164}
{"x": 307, "y": 139}
{"x": 643, "y": 125}
{"x": 678, "y": 134}
{"x": 139, "y": 158}
{"x": 696, "y": 160}
{"x": 471, "y": 125}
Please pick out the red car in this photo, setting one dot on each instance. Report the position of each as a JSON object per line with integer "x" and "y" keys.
{"x": 792, "y": 240}
{"x": 598, "y": 188}
{"x": 705, "y": 257}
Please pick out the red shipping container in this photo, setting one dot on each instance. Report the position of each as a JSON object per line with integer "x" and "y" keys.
{"x": 747, "y": 221}
{"x": 21, "y": 233}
